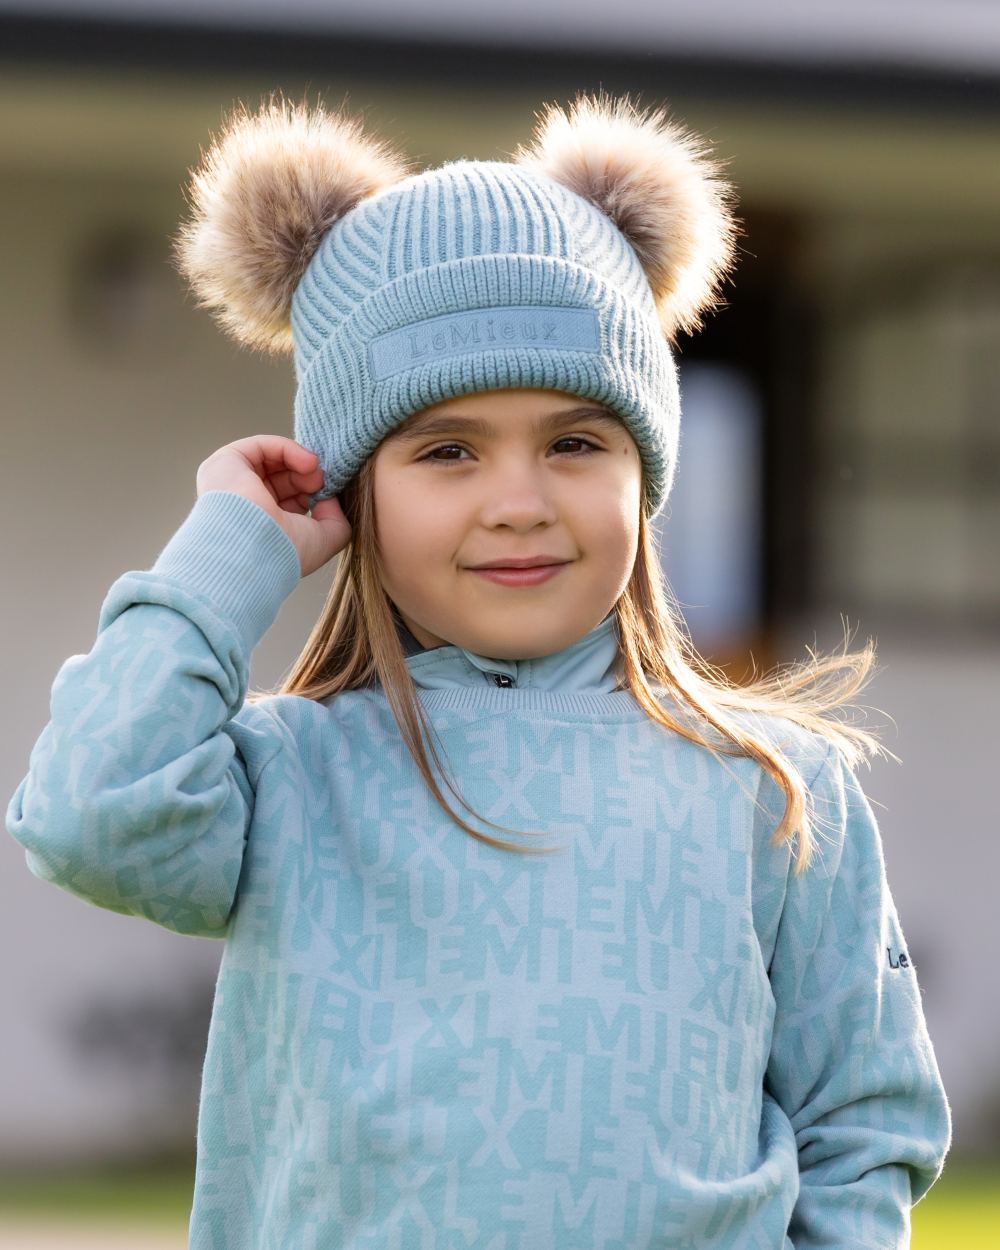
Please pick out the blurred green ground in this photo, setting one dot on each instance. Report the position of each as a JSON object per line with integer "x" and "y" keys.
{"x": 962, "y": 1210}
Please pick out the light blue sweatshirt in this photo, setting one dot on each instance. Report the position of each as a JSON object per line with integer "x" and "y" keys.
{"x": 657, "y": 1037}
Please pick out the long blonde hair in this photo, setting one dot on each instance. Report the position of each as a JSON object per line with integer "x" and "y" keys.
{"x": 356, "y": 642}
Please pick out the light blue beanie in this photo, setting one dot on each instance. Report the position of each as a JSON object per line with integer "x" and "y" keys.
{"x": 471, "y": 277}
{"x": 569, "y": 268}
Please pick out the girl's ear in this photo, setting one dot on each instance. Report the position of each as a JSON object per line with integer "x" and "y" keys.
{"x": 657, "y": 183}
{"x": 264, "y": 194}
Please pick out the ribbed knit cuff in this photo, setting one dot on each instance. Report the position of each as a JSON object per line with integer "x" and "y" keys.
{"x": 439, "y": 332}
{"x": 230, "y": 551}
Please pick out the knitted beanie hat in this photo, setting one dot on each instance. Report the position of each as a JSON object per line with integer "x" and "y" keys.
{"x": 570, "y": 267}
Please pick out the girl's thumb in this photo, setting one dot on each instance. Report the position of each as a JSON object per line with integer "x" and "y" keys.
{"x": 325, "y": 509}
{"x": 321, "y": 535}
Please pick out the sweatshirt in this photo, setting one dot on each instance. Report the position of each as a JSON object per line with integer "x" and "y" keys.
{"x": 655, "y": 1036}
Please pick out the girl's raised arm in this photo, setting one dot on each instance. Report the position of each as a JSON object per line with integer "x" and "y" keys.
{"x": 140, "y": 789}
{"x": 851, "y": 1063}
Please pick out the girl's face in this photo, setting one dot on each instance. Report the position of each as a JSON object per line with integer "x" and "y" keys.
{"x": 498, "y": 474}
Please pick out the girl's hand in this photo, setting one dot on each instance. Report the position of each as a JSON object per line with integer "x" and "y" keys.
{"x": 278, "y": 474}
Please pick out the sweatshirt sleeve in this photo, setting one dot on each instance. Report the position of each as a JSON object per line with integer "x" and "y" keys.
{"x": 140, "y": 789}
{"x": 851, "y": 1062}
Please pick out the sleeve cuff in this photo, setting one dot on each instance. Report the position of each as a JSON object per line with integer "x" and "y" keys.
{"x": 236, "y": 556}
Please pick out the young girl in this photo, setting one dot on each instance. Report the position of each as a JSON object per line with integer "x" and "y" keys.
{"x": 673, "y": 1007}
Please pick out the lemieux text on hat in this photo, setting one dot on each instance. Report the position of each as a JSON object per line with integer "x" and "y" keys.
{"x": 483, "y": 329}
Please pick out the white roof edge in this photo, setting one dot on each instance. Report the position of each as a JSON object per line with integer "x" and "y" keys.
{"x": 957, "y": 35}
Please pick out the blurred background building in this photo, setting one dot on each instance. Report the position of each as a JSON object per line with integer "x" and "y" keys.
{"x": 840, "y": 452}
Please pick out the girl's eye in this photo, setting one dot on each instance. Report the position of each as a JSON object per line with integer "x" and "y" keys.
{"x": 586, "y": 449}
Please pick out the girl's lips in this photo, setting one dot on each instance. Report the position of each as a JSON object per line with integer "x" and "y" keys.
{"x": 520, "y": 577}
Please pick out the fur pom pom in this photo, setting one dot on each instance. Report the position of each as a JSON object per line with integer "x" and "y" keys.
{"x": 657, "y": 183}
{"x": 262, "y": 197}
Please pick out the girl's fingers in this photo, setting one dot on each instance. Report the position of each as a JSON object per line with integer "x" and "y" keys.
{"x": 289, "y": 483}
{"x": 294, "y": 504}
{"x": 274, "y": 452}
{"x": 291, "y": 500}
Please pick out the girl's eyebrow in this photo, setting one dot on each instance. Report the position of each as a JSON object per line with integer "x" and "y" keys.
{"x": 453, "y": 424}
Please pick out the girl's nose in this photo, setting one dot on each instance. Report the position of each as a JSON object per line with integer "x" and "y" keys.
{"x": 519, "y": 500}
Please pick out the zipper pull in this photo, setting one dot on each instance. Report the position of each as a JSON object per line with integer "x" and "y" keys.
{"x": 502, "y": 679}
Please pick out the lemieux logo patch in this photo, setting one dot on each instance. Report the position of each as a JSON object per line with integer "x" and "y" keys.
{"x": 902, "y": 960}
{"x": 454, "y": 334}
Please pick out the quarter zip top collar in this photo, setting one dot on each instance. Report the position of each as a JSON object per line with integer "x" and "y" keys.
{"x": 586, "y": 666}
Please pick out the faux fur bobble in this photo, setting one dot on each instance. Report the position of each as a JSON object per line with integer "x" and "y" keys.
{"x": 274, "y": 181}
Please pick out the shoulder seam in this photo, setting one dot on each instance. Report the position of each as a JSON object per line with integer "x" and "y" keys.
{"x": 276, "y": 728}
{"x": 822, "y": 764}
